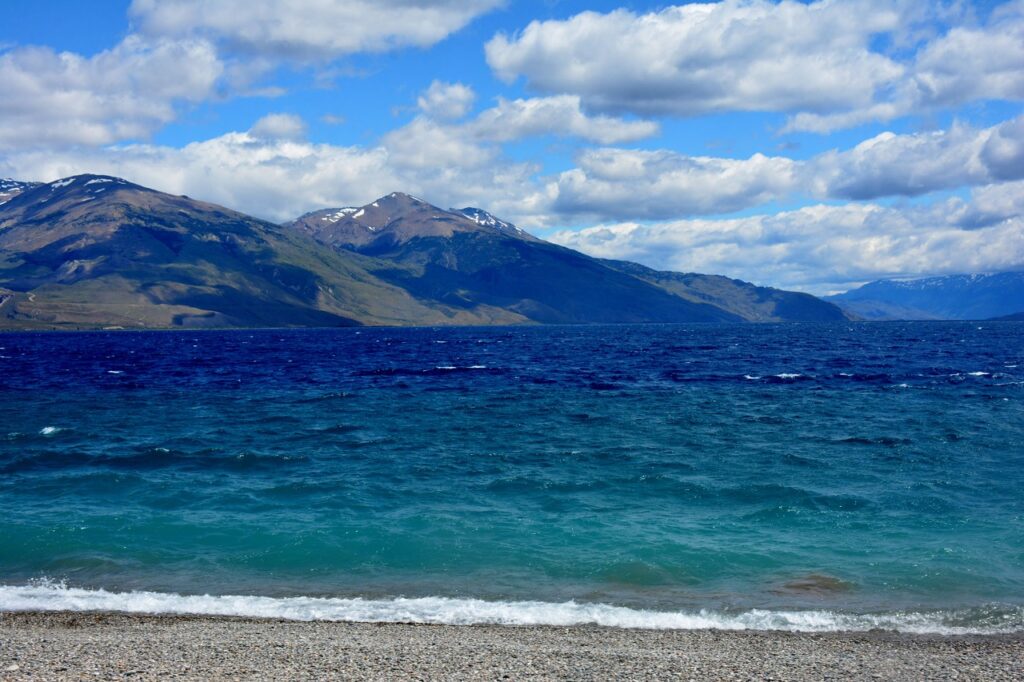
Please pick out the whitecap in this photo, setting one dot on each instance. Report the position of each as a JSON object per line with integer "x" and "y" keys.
{"x": 789, "y": 375}
{"x": 751, "y": 377}
{"x": 45, "y": 595}
{"x": 115, "y": 371}
{"x": 49, "y": 430}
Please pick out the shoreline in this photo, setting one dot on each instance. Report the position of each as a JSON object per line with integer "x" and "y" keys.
{"x": 45, "y": 645}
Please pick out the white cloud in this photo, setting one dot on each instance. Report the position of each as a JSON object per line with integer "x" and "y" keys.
{"x": 992, "y": 204}
{"x": 974, "y": 63}
{"x": 446, "y": 100}
{"x": 909, "y": 165}
{"x": 817, "y": 61}
{"x": 279, "y": 126}
{"x": 623, "y": 184}
{"x": 620, "y": 184}
{"x": 734, "y": 55}
{"x": 310, "y": 28}
{"x": 820, "y": 249}
{"x": 54, "y": 99}
{"x": 558, "y": 115}
{"x": 966, "y": 64}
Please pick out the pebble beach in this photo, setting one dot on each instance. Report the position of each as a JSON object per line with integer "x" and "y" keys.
{"x": 87, "y": 646}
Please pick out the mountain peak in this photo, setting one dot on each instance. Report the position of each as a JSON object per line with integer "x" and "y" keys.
{"x": 395, "y": 219}
{"x": 10, "y": 188}
{"x": 88, "y": 179}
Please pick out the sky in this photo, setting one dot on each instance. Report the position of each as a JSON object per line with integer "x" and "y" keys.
{"x": 806, "y": 145}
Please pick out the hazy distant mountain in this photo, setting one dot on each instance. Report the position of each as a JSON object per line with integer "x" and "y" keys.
{"x": 953, "y": 297}
{"x": 1015, "y": 317}
{"x": 97, "y": 251}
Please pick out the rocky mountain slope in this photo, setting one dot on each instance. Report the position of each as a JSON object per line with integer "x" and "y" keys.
{"x": 468, "y": 260}
{"x": 748, "y": 301}
{"x": 11, "y": 188}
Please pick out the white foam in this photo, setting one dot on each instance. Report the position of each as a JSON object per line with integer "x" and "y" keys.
{"x": 977, "y": 374}
{"x": 49, "y": 596}
{"x": 49, "y": 430}
{"x": 789, "y": 375}
{"x": 751, "y": 377}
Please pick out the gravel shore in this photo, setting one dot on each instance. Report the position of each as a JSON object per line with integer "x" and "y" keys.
{"x": 77, "y": 646}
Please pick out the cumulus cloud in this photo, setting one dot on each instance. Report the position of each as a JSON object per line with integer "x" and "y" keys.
{"x": 909, "y": 165}
{"x": 818, "y": 61}
{"x": 821, "y": 249}
{"x": 308, "y": 29}
{"x": 446, "y": 100}
{"x": 991, "y": 204}
{"x": 55, "y": 99}
{"x": 968, "y": 63}
{"x": 434, "y": 139}
{"x": 620, "y": 184}
{"x": 699, "y": 58}
{"x": 279, "y": 126}
{"x": 558, "y": 115}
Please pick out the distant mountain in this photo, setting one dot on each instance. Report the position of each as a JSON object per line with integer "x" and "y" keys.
{"x": 749, "y": 301}
{"x": 95, "y": 251}
{"x": 11, "y": 188}
{"x": 953, "y": 297}
{"x": 468, "y": 260}
{"x": 1015, "y": 317}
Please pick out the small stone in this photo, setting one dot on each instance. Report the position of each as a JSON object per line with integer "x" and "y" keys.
{"x": 13, "y": 668}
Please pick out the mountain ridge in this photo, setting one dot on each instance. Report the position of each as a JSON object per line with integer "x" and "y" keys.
{"x": 976, "y": 296}
{"x": 98, "y": 251}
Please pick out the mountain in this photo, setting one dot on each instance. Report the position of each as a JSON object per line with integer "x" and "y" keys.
{"x": 94, "y": 251}
{"x": 97, "y": 251}
{"x": 953, "y": 297}
{"x": 467, "y": 258}
{"x": 1015, "y": 317}
{"x": 467, "y": 255}
{"x": 748, "y": 301}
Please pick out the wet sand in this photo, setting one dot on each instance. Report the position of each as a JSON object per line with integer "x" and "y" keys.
{"x": 75, "y": 646}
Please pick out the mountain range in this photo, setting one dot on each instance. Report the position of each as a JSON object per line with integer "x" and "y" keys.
{"x": 94, "y": 251}
{"x": 951, "y": 297}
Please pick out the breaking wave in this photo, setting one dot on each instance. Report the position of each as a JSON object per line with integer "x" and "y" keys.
{"x": 49, "y": 596}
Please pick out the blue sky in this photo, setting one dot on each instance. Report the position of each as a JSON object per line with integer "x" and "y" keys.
{"x": 809, "y": 145}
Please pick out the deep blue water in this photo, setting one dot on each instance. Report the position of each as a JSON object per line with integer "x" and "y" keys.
{"x": 823, "y": 470}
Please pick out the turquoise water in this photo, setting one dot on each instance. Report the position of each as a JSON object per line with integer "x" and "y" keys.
{"x": 795, "y": 476}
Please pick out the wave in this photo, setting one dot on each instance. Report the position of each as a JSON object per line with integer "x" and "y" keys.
{"x": 49, "y": 596}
